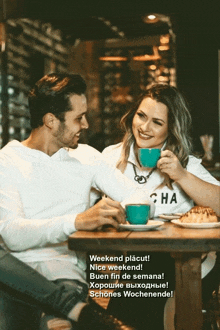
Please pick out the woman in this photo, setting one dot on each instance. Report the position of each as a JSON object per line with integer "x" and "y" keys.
{"x": 162, "y": 120}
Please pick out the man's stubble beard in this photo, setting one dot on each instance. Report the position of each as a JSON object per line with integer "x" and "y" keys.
{"x": 60, "y": 137}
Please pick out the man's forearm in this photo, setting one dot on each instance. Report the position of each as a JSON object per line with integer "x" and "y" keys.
{"x": 21, "y": 234}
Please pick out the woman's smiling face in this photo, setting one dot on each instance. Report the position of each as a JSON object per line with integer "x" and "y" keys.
{"x": 150, "y": 124}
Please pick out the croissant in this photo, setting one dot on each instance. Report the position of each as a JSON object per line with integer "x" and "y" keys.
{"x": 199, "y": 214}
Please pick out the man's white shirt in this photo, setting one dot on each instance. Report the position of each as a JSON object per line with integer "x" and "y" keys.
{"x": 40, "y": 197}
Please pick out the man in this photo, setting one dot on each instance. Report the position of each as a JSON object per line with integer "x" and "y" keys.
{"x": 45, "y": 189}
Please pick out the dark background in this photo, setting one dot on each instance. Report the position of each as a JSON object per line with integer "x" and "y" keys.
{"x": 195, "y": 23}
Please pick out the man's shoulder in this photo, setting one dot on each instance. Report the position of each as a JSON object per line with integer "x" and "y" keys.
{"x": 7, "y": 164}
{"x": 11, "y": 157}
{"x": 6, "y": 156}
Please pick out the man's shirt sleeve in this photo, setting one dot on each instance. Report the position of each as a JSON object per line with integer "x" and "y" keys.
{"x": 20, "y": 233}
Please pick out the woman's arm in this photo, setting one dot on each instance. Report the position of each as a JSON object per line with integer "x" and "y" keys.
{"x": 201, "y": 192}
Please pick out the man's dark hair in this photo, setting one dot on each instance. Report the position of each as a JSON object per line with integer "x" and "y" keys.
{"x": 51, "y": 94}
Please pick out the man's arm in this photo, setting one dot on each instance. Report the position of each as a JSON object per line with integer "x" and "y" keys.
{"x": 118, "y": 187}
{"x": 105, "y": 212}
{"x": 20, "y": 233}
{"x": 109, "y": 180}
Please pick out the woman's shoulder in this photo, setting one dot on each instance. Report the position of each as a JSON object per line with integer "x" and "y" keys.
{"x": 85, "y": 154}
{"x": 83, "y": 149}
{"x": 112, "y": 153}
{"x": 193, "y": 161}
{"x": 113, "y": 149}
{"x": 195, "y": 167}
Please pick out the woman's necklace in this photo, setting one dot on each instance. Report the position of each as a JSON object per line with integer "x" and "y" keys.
{"x": 140, "y": 178}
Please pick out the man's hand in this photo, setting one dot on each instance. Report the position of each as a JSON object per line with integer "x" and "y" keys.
{"x": 105, "y": 212}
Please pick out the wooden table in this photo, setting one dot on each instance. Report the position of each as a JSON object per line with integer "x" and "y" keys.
{"x": 185, "y": 245}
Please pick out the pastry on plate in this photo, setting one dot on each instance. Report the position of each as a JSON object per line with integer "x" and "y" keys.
{"x": 199, "y": 214}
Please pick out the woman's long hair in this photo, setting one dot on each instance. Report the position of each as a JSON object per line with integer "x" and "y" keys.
{"x": 179, "y": 125}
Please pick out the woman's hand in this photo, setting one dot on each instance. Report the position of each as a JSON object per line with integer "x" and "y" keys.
{"x": 201, "y": 192}
{"x": 169, "y": 164}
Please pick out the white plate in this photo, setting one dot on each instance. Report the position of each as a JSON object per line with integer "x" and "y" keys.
{"x": 202, "y": 225}
{"x": 170, "y": 216}
{"x": 152, "y": 224}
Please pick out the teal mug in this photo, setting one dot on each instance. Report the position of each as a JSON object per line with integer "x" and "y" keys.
{"x": 148, "y": 157}
{"x": 137, "y": 214}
